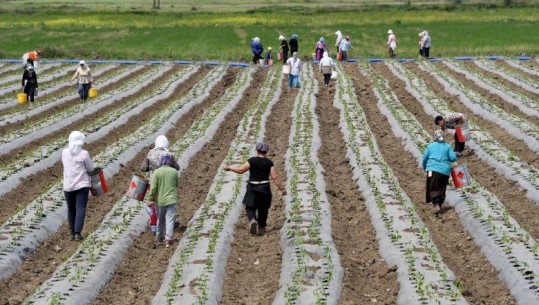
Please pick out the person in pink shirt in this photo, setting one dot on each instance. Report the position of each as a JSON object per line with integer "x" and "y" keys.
{"x": 321, "y": 47}
{"x": 391, "y": 43}
{"x": 77, "y": 164}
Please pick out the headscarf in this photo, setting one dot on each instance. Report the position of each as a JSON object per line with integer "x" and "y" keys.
{"x": 325, "y": 54}
{"x": 438, "y": 135}
{"x": 281, "y": 37}
{"x": 262, "y": 147}
{"x": 295, "y": 54}
{"x": 322, "y": 39}
{"x": 294, "y": 36}
{"x": 338, "y": 33}
{"x": 256, "y": 39}
{"x": 161, "y": 142}
{"x": 166, "y": 160}
{"x": 76, "y": 140}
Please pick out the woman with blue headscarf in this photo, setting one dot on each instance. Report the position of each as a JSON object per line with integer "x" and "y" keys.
{"x": 321, "y": 47}
{"x": 258, "y": 194}
{"x": 293, "y": 43}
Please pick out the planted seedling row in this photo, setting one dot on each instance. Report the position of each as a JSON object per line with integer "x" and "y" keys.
{"x": 197, "y": 261}
{"x": 14, "y": 80}
{"x": 84, "y": 274}
{"x": 507, "y": 245}
{"x": 520, "y": 65}
{"x": 423, "y": 276}
{"x": 311, "y": 272}
{"x": 519, "y": 79}
{"x": 485, "y": 146}
{"x": 518, "y": 127}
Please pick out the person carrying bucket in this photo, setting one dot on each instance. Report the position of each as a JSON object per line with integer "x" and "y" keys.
{"x": 30, "y": 87}
{"x": 77, "y": 164}
{"x": 163, "y": 194}
{"x": 153, "y": 162}
{"x": 436, "y": 163}
{"x": 84, "y": 80}
{"x": 453, "y": 121}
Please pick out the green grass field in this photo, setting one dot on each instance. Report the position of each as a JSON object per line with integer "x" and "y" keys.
{"x": 130, "y": 31}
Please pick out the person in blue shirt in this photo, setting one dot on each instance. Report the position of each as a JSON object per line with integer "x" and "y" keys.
{"x": 257, "y": 49}
{"x": 437, "y": 161}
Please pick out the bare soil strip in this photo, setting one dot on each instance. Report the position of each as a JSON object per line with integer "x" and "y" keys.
{"x": 524, "y": 211}
{"x": 459, "y": 252}
{"x": 43, "y": 262}
{"x": 493, "y": 98}
{"x": 254, "y": 263}
{"x": 517, "y": 146}
{"x": 367, "y": 277}
{"x": 140, "y": 274}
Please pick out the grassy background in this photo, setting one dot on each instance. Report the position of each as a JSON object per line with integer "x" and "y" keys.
{"x": 126, "y": 30}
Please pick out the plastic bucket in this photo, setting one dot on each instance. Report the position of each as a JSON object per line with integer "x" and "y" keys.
{"x": 92, "y": 92}
{"x": 138, "y": 188}
{"x": 22, "y": 98}
{"x": 98, "y": 183}
{"x": 334, "y": 74}
{"x": 286, "y": 69}
{"x": 460, "y": 175}
{"x": 280, "y": 56}
{"x": 463, "y": 133}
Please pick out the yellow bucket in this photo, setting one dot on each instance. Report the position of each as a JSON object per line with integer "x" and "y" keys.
{"x": 92, "y": 92}
{"x": 22, "y": 98}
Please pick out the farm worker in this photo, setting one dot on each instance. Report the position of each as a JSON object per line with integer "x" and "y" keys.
{"x": 295, "y": 66}
{"x": 77, "y": 164}
{"x": 30, "y": 57}
{"x": 269, "y": 59}
{"x": 451, "y": 121}
{"x": 391, "y": 43}
{"x": 150, "y": 164}
{"x": 30, "y": 88}
{"x": 293, "y": 43}
{"x": 283, "y": 48}
{"x": 84, "y": 79}
{"x": 257, "y": 49}
{"x": 436, "y": 163}
{"x": 338, "y": 40}
{"x": 258, "y": 193}
{"x": 346, "y": 45}
{"x": 424, "y": 44}
{"x": 163, "y": 193}
{"x": 326, "y": 65}
{"x": 321, "y": 47}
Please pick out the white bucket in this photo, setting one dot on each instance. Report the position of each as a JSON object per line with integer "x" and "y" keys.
{"x": 286, "y": 69}
{"x": 334, "y": 74}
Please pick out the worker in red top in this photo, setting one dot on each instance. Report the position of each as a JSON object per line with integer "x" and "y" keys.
{"x": 30, "y": 57}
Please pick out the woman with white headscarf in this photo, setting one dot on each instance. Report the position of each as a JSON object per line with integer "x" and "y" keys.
{"x": 391, "y": 43}
{"x": 283, "y": 48}
{"x": 436, "y": 163}
{"x": 326, "y": 65}
{"x": 84, "y": 80}
{"x": 338, "y": 40}
{"x": 77, "y": 164}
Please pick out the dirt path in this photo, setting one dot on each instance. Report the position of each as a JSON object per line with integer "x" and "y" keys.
{"x": 367, "y": 277}
{"x": 462, "y": 256}
{"x": 40, "y": 265}
{"x": 140, "y": 274}
{"x": 243, "y": 276}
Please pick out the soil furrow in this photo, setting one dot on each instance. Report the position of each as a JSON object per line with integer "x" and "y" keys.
{"x": 367, "y": 277}
{"x": 242, "y": 275}
{"x": 139, "y": 276}
{"x": 491, "y": 97}
{"x": 459, "y": 252}
{"x": 40, "y": 265}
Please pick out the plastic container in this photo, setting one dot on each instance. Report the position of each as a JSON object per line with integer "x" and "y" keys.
{"x": 286, "y": 69}
{"x": 461, "y": 176}
{"x": 463, "y": 133}
{"x": 92, "y": 92}
{"x": 98, "y": 183}
{"x": 334, "y": 74}
{"x": 280, "y": 56}
{"x": 138, "y": 188}
{"x": 22, "y": 98}
{"x": 339, "y": 56}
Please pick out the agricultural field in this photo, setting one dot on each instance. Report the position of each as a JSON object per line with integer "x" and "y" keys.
{"x": 353, "y": 229}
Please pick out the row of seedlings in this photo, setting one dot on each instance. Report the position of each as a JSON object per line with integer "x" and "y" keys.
{"x": 519, "y": 65}
{"x": 508, "y": 246}
{"x": 405, "y": 241}
{"x": 29, "y": 227}
{"x": 524, "y": 103}
{"x": 196, "y": 272}
{"x": 519, "y": 127}
{"x": 485, "y": 146}
{"x": 14, "y": 79}
{"x": 46, "y": 155}
{"x": 73, "y": 111}
{"x": 80, "y": 279}
{"x": 311, "y": 271}
{"x": 520, "y": 79}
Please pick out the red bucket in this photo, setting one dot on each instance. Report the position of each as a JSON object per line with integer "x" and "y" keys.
{"x": 463, "y": 133}
{"x": 460, "y": 175}
{"x": 98, "y": 183}
{"x": 138, "y": 188}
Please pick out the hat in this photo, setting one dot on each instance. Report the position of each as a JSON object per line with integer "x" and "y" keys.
{"x": 262, "y": 147}
{"x": 390, "y": 32}
{"x": 38, "y": 51}
{"x": 421, "y": 34}
{"x": 295, "y": 54}
{"x": 438, "y": 135}
{"x": 269, "y": 48}
{"x": 281, "y": 37}
{"x": 322, "y": 38}
{"x": 82, "y": 62}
